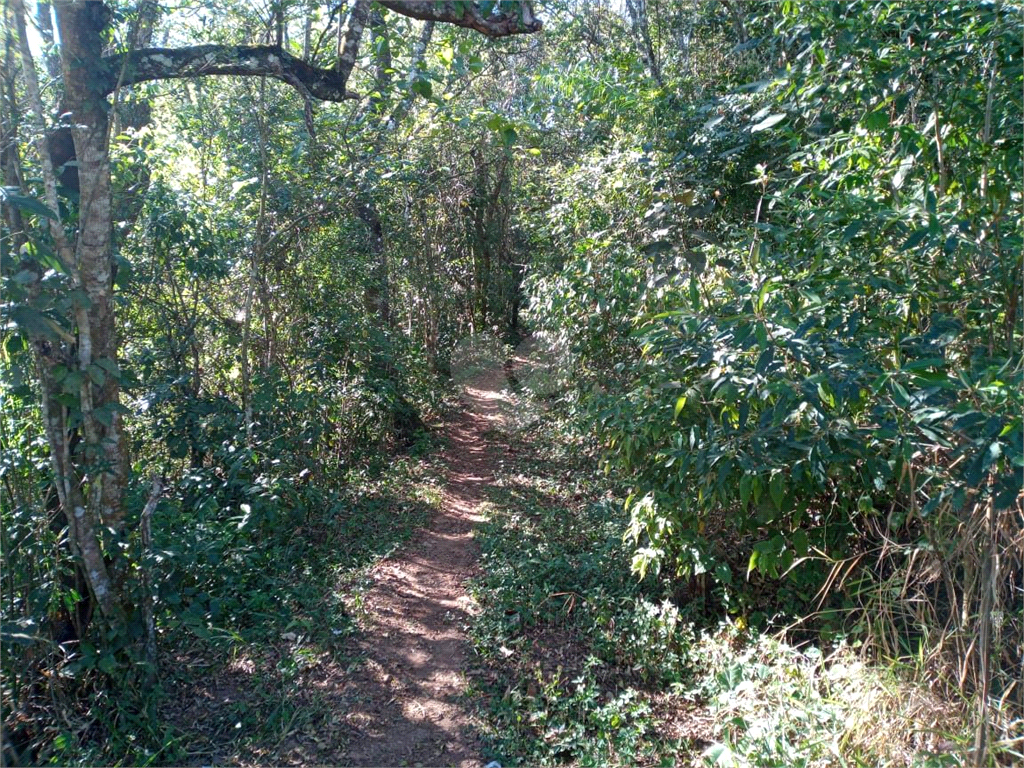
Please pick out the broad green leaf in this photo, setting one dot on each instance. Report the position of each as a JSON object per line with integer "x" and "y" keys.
{"x": 746, "y": 484}
{"x": 764, "y": 292}
{"x": 13, "y": 197}
{"x": 720, "y": 756}
{"x": 755, "y": 557}
{"x": 658, "y": 247}
{"x": 25, "y": 277}
{"x": 901, "y": 173}
{"x": 915, "y": 239}
{"x": 877, "y": 120}
{"x": 423, "y": 87}
{"x": 768, "y": 122}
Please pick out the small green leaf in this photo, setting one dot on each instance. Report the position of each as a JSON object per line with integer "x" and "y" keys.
{"x": 24, "y": 277}
{"x": 657, "y": 247}
{"x": 746, "y": 483}
{"x": 694, "y": 294}
{"x": 763, "y": 294}
{"x": 876, "y": 121}
{"x": 107, "y": 664}
{"x": 799, "y": 541}
{"x": 719, "y": 755}
{"x": 107, "y": 365}
{"x": 15, "y": 343}
{"x": 423, "y": 87}
{"x": 777, "y": 489}
{"x": 680, "y": 404}
{"x": 901, "y": 173}
{"x": 723, "y": 574}
{"x": 97, "y": 375}
{"x": 915, "y": 239}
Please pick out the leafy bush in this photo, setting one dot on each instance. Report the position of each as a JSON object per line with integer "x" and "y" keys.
{"x": 811, "y": 382}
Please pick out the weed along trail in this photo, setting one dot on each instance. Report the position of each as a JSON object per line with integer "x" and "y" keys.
{"x": 406, "y": 705}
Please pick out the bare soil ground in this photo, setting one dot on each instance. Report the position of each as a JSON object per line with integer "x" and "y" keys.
{"x": 406, "y": 705}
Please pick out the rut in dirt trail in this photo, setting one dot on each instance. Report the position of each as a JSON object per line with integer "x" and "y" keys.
{"x": 405, "y": 702}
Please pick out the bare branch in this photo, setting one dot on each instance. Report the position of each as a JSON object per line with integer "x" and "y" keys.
{"x": 519, "y": 21}
{"x": 350, "y": 45}
{"x": 201, "y": 60}
{"x": 273, "y": 61}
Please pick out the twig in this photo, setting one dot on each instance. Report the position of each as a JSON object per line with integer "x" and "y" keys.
{"x": 146, "y": 529}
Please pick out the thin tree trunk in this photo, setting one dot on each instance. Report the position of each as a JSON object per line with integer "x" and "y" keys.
{"x": 637, "y": 10}
{"x": 382, "y": 61}
{"x": 90, "y": 496}
{"x": 426, "y": 33}
{"x": 348, "y": 44}
{"x": 307, "y": 30}
{"x": 737, "y": 20}
{"x": 146, "y": 529}
{"x": 254, "y": 270}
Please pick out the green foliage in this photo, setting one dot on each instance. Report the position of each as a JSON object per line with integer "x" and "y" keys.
{"x": 776, "y": 705}
{"x": 771, "y": 255}
{"x": 574, "y": 646}
{"x": 794, "y": 313}
{"x": 583, "y": 666}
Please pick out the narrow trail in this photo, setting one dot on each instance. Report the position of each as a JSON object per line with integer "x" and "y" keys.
{"x": 407, "y": 707}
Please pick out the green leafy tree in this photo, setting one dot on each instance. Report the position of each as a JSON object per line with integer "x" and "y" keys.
{"x": 76, "y": 341}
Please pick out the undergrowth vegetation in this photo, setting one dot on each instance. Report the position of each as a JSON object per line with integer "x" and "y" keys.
{"x": 251, "y": 605}
{"x": 792, "y": 323}
{"x": 581, "y": 664}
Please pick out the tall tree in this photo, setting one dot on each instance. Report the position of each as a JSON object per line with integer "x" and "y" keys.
{"x": 81, "y": 358}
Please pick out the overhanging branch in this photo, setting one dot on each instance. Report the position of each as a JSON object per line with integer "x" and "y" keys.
{"x": 272, "y": 61}
{"x": 202, "y": 60}
{"x": 519, "y": 20}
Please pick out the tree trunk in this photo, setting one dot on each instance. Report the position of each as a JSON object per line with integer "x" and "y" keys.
{"x": 637, "y": 10}
{"x": 80, "y": 25}
{"x": 90, "y": 481}
{"x": 376, "y": 294}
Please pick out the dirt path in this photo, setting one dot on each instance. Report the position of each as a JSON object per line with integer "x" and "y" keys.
{"x": 408, "y": 710}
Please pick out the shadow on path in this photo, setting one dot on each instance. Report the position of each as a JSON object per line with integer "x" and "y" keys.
{"x": 404, "y": 704}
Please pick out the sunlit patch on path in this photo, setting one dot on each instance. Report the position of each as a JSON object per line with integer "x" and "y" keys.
{"x": 405, "y": 702}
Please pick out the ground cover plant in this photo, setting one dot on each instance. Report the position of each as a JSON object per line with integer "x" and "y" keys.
{"x": 581, "y": 666}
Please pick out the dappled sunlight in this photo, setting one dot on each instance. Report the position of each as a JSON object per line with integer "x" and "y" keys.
{"x": 417, "y": 609}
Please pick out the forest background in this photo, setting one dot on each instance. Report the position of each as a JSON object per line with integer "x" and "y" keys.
{"x": 767, "y": 256}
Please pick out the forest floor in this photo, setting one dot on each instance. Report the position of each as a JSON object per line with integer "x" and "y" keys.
{"x": 410, "y": 708}
{"x": 364, "y": 661}
{"x": 473, "y": 602}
